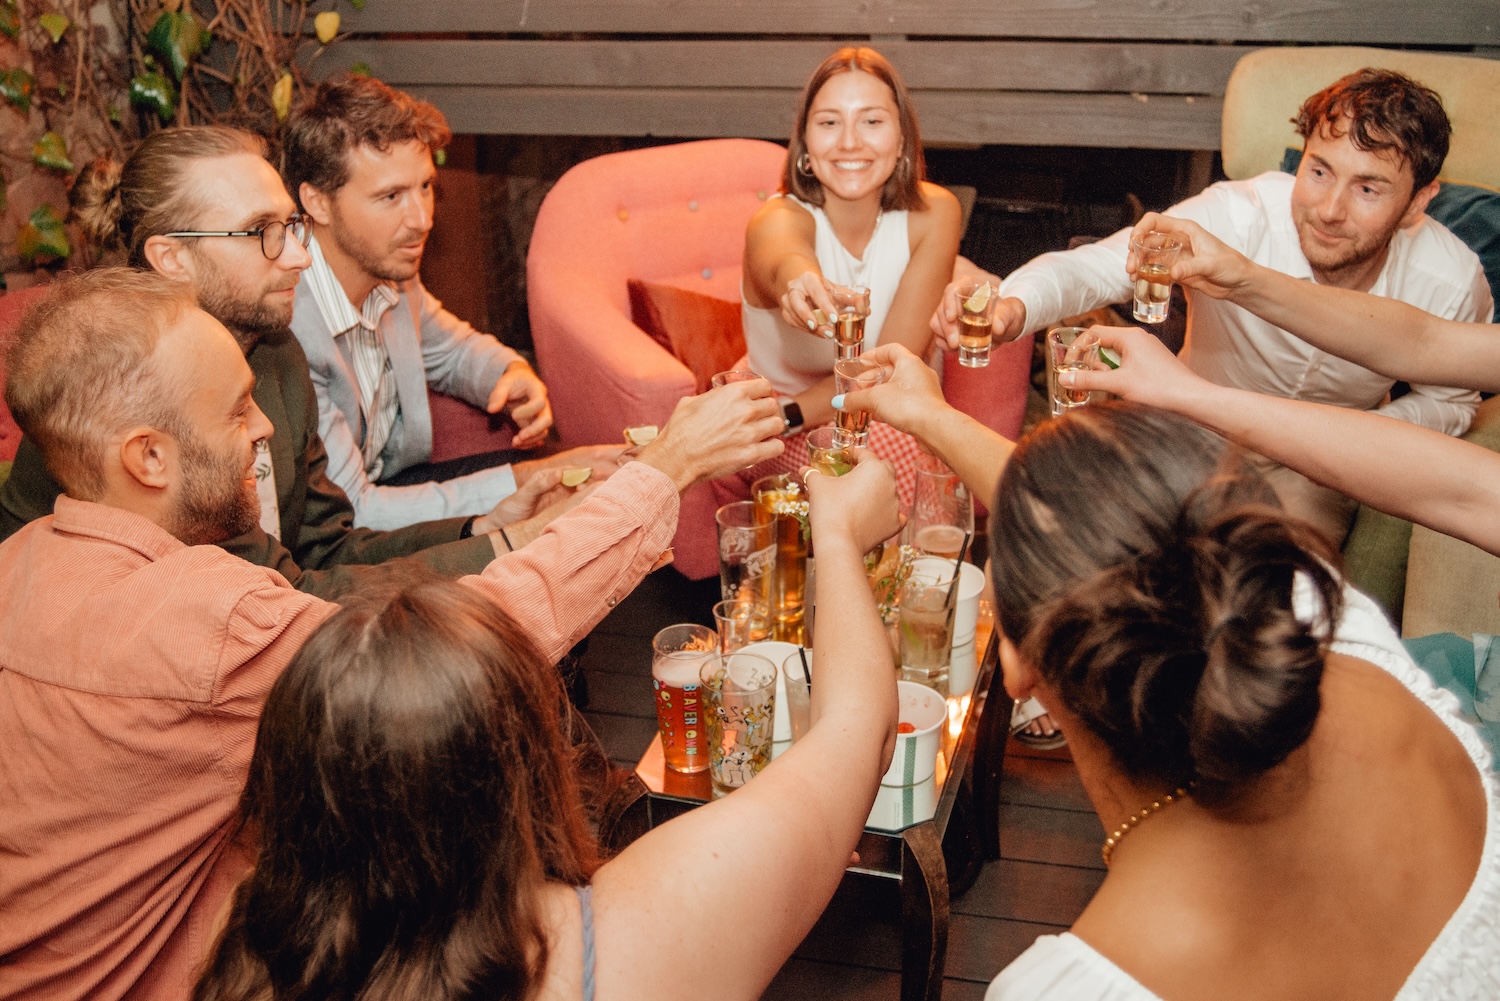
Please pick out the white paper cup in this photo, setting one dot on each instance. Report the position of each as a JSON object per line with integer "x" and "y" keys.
{"x": 915, "y": 758}
{"x": 966, "y": 616}
{"x": 776, "y": 652}
{"x": 898, "y": 807}
{"x": 963, "y": 668}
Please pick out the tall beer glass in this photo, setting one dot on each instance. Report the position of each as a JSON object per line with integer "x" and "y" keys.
{"x": 678, "y": 654}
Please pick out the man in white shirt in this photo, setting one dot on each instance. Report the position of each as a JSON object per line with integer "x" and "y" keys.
{"x": 1353, "y": 217}
{"x": 359, "y": 159}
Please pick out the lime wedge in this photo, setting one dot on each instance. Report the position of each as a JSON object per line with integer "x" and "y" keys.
{"x": 645, "y": 434}
{"x": 1109, "y": 357}
{"x": 981, "y": 297}
{"x": 576, "y": 476}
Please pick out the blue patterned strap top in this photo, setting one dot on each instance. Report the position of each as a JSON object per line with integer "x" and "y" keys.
{"x": 586, "y": 906}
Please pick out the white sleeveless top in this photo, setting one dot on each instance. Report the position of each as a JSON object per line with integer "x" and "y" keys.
{"x": 1463, "y": 962}
{"x": 792, "y": 359}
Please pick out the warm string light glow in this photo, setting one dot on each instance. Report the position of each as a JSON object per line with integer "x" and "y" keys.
{"x": 958, "y": 708}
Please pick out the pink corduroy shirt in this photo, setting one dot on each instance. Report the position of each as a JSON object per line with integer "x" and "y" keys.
{"x": 133, "y": 670}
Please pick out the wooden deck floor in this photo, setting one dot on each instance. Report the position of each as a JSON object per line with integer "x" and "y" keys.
{"x": 1049, "y": 837}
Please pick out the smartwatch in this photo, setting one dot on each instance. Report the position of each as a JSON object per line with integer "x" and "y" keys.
{"x": 791, "y": 413}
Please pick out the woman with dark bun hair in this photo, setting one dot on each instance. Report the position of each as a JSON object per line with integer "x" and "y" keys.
{"x": 1293, "y": 809}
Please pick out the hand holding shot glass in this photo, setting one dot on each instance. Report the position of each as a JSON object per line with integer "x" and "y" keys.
{"x": 1069, "y": 349}
{"x": 1153, "y": 254}
{"x": 825, "y": 454}
{"x": 975, "y": 301}
{"x": 852, "y": 427}
{"x": 847, "y": 325}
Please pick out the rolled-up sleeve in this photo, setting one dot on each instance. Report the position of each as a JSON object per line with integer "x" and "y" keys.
{"x": 561, "y": 584}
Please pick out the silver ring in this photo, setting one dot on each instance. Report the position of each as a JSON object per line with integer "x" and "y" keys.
{"x": 810, "y": 471}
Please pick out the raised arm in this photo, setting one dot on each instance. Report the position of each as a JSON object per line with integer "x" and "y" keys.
{"x": 1384, "y": 335}
{"x": 732, "y": 887}
{"x": 1412, "y": 472}
{"x": 781, "y": 264}
{"x": 911, "y": 400}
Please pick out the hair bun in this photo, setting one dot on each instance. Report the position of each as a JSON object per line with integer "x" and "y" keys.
{"x": 1263, "y": 645}
{"x": 98, "y": 203}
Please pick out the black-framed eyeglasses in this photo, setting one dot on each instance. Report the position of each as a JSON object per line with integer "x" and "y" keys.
{"x": 272, "y": 234}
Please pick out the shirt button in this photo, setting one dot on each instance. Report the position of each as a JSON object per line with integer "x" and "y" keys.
{"x": 611, "y": 602}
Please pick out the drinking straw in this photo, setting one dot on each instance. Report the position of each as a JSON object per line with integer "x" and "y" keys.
{"x": 806, "y": 667}
{"x": 958, "y": 572}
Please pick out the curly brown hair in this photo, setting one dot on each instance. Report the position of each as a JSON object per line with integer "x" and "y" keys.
{"x": 346, "y": 112}
{"x": 1383, "y": 110}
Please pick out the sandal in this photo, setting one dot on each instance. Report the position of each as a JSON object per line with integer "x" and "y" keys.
{"x": 1026, "y": 710}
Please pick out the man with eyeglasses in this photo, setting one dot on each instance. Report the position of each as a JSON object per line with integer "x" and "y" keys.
{"x": 359, "y": 158}
{"x": 203, "y": 206}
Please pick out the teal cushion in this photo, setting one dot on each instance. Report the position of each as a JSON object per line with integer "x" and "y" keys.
{"x": 1470, "y": 212}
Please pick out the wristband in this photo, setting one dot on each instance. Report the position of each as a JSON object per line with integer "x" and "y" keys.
{"x": 467, "y": 530}
{"x": 508, "y": 544}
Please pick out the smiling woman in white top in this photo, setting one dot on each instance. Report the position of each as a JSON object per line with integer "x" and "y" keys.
{"x": 854, "y": 209}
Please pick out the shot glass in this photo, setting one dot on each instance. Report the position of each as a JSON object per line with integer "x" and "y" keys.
{"x": 798, "y": 691}
{"x": 678, "y": 657}
{"x": 733, "y": 375}
{"x": 825, "y": 454}
{"x": 852, "y": 427}
{"x": 928, "y": 598}
{"x": 740, "y": 624}
{"x": 785, "y": 500}
{"x": 747, "y": 554}
{"x": 739, "y": 690}
{"x": 1155, "y": 253}
{"x": 853, "y": 302}
{"x": 976, "y": 317}
{"x": 1069, "y": 349}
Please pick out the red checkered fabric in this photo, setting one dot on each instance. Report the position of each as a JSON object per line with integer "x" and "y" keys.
{"x": 896, "y": 447}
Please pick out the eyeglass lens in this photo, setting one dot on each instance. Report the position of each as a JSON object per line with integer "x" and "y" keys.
{"x": 273, "y": 236}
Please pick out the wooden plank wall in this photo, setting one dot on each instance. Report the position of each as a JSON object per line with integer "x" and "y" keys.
{"x": 1106, "y": 73}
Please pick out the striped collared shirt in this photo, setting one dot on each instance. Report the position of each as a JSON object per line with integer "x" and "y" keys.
{"x": 378, "y": 400}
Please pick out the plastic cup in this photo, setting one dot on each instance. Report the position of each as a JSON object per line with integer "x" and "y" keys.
{"x": 915, "y": 757}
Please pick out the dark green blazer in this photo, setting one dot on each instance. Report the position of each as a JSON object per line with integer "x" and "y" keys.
{"x": 319, "y": 551}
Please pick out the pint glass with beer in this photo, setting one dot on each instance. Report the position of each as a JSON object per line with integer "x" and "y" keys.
{"x": 678, "y": 654}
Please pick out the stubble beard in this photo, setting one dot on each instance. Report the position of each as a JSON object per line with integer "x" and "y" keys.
{"x": 370, "y": 259}
{"x": 249, "y": 321}
{"x": 216, "y": 503}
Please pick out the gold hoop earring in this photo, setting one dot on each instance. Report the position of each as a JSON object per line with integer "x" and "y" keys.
{"x": 804, "y": 165}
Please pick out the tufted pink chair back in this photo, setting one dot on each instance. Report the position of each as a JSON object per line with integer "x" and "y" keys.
{"x": 12, "y": 305}
{"x": 674, "y": 215}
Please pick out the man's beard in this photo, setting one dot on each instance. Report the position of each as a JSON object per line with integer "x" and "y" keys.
{"x": 215, "y": 503}
{"x": 369, "y": 258}
{"x": 248, "y": 321}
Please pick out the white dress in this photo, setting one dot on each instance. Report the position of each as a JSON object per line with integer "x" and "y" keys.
{"x": 793, "y": 360}
{"x": 1462, "y": 963}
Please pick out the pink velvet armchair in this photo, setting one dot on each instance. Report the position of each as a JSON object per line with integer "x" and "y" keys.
{"x": 673, "y": 216}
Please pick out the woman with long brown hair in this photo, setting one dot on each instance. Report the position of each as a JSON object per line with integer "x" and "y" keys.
{"x": 418, "y": 833}
{"x": 855, "y": 208}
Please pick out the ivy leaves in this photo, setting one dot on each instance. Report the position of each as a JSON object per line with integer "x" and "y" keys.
{"x": 43, "y": 238}
{"x": 178, "y": 38}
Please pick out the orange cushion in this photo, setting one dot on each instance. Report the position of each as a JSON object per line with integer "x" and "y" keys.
{"x": 702, "y": 332}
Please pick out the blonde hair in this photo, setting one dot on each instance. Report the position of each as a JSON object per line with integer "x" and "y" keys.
{"x": 81, "y": 372}
{"x": 121, "y": 206}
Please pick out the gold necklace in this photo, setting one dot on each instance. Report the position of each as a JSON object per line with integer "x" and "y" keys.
{"x": 1156, "y": 806}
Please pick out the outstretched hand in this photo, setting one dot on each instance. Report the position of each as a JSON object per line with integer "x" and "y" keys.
{"x": 1149, "y": 373}
{"x": 910, "y": 394}
{"x": 522, "y": 390}
{"x": 1205, "y": 263}
{"x": 718, "y": 432}
{"x": 861, "y": 505}
{"x": 805, "y": 293}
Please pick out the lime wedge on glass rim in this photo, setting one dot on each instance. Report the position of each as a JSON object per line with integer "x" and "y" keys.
{"x": 981, "y": 297}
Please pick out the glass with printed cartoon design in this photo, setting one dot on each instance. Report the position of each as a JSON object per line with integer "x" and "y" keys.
{"x": 747, "y": 556}
{"x": 739, "y": 694}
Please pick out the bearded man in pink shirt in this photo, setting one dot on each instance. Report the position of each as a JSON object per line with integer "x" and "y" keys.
{"x": 135, "y": 655}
